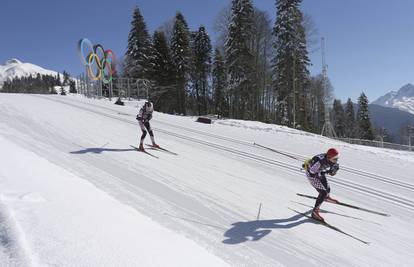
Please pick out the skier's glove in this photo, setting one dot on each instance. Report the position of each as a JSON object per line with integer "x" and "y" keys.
{"x": 149, "y": 117}
{"x": 139, "y": 118}
{"x": 334, "y": 169}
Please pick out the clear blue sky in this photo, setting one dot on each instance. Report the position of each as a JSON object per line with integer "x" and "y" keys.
{"x": 368, "y": 42}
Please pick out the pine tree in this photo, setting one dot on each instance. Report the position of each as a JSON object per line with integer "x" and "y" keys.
{"x": 239, "y": 59}
{"x": 364, "y": 123}
{"x": 291, "y": 74}
{"x": 138, "y": 58}
{"x": 219, "y": 84}
{"x": 66, "y": 78}
{"x": 58, "y": 80}
{"x": 38, "y": 84}
{"x": 180, "y": 50}
{"x": 62, "y": 90}
{"x": 338, "y": 118}
{"x": 201, "y": 51}
{"x": 72, "y": 87}
{"x": 164, "y": 90}
{"x": 349, "y": 119}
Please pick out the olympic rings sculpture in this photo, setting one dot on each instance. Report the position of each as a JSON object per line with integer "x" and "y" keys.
{"x": 103, "y": 60}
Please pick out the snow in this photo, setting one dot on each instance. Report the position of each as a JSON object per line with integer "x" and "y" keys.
{"x": 58, "y": 89}
{"x": 405, "y": 104}
{"x": 14, "y": 68}
{"x": 74, "y": 193}
{"x": 403, "y": 99}
{"x": 53, "y": 217}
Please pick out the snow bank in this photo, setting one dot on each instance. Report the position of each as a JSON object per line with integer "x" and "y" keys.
{"x": 50, "y": 217}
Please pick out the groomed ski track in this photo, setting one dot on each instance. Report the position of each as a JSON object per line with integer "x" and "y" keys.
{"x": 211, "y": 191}
{"x": 259, "y": 159}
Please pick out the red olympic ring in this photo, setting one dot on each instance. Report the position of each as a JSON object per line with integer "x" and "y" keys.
{"x": 112, "y": 59}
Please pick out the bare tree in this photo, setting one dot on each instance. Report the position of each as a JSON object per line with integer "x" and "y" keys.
{"x": 317, "y": 101}
{"x": 312, "y": 33}
{"x": 262, "y": 50}
{"x": 406, "y": 134}
{"x": 221, "y": 27}
{"x": 167, "y": 28}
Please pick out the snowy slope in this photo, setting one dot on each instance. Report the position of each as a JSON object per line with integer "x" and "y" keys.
{"x": 209, "y": 193}
{"x": 53, "y": 217}
{"x": 15, "y": 68}
{"x": 402, "y": 99}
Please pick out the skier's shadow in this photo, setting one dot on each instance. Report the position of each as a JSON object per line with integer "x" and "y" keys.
{"x": 99, "y": 150}
{"x": 255, "y": 230}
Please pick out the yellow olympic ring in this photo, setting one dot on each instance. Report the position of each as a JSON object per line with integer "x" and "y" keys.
{"x": 91, "y": 58}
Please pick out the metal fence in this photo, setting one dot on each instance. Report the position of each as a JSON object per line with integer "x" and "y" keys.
{"x": 376, "y": 144}
{"x": 119, "y": 87}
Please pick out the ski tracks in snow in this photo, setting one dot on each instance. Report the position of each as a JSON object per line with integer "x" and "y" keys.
{"x": 14, "y": 248}
{"x": 389, "y": 197}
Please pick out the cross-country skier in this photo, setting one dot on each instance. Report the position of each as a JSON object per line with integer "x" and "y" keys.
{"x": 143, "y": 117}
{"x": 316, "y": 168}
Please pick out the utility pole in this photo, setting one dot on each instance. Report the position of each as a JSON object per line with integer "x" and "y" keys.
{"x": 381, "y": 136}
{"x": 410, "y": 128}
{"x": 294, "y": 90}
{"x": 327, "y": 128}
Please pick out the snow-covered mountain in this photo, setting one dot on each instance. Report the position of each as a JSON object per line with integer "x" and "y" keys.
{"x": 391, "y": 119}
{"x": 402, "y": 99}
{"x": 15, "y": 68}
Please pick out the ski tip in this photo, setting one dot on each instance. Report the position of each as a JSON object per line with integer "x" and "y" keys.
{"x": 161, "y": 149}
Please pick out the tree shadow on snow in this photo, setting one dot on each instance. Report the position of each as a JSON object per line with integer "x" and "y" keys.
{"x": 99, "y": 150}
{"x": 256, "y": 230}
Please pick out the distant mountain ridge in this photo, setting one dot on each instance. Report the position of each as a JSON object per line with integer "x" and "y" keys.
{"x": 403, "y": 99}
{"x": 15, "y": 68}
{"x": 390, "y": 118}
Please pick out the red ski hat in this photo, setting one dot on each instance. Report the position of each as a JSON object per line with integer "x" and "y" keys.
{"x": 332, "y": 153}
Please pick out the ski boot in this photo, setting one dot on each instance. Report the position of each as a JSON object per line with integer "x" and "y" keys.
{"x": 331, "y": 200}
{"x": 154, "y": 145}
{"x": 141, "y": 147}
{"x": 315, "y": 215}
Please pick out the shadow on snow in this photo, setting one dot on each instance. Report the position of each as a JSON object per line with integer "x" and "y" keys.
{"x": 99, "y": 150}
{"x": 255, "y": 230}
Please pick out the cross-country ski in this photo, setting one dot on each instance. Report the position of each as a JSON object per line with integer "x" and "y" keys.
{"x": 346, "y": 205}
{"x": 324, "y": 223}
{"x": 144, "y": 151}
{"x": 161, "y": 148}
